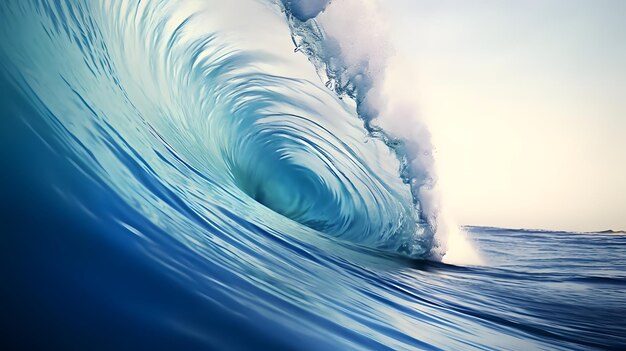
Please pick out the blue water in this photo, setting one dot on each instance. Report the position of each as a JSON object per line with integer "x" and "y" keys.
{"x": 175, "y": 176}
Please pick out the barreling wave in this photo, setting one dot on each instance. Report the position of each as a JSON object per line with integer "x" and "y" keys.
{"x": 217, "y": 115}
{"x": 217, "y": 190}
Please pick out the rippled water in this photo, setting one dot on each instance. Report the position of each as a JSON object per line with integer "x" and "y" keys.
{"x": 177, "y": 177}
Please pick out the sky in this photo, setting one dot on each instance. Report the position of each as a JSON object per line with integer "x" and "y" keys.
{"x": 526, "y": 103}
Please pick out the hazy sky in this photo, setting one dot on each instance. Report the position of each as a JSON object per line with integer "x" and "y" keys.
{"x": 527, "y": 105}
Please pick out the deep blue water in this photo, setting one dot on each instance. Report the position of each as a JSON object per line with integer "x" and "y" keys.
{"x": 172, "y": 181}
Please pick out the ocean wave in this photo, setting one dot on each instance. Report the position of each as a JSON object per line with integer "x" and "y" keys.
{"x": 236, "y": 168}
{"x": 164, "y": 89}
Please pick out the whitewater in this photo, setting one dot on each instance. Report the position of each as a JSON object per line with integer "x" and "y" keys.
{"x": 202, "y": 174}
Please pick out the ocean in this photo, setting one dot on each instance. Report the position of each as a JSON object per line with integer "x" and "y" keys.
{"x": 211, "y": 175}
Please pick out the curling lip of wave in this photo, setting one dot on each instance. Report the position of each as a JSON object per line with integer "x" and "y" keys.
{"x": 355, "y": 67}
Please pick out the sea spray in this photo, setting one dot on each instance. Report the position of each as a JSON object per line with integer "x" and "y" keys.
{"x": 355, "y": 64}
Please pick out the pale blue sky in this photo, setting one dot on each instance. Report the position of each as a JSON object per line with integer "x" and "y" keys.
{"x": 527, "y": 105}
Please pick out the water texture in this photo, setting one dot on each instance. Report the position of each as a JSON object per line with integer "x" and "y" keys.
{"x": 205, "y": 175}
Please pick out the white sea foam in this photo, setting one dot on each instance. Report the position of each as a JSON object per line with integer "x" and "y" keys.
{"x": 356, "y": 36}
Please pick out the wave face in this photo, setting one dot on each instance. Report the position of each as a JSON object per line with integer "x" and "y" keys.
{"x": 194, "y": 177}
{"x": 216, "y": 113}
